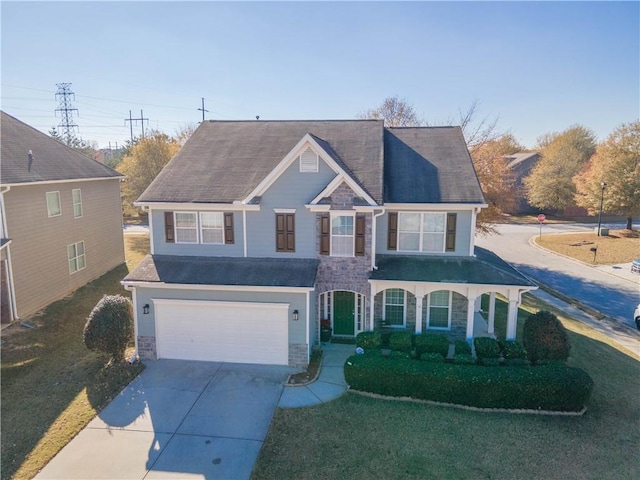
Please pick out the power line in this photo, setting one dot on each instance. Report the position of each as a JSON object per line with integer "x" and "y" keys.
{"x": 202, "y": 109}
{"x": 131, "y": 120}
{"x": 66, "y": 109}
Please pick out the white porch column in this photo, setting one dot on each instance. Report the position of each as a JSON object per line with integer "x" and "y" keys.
{"x": 512, "y": 319}
{"x": 471, "y": 299}
{"x": 478, "y": 304}
{"x": 492, "y": 312}
{"x": 419, "y": 299}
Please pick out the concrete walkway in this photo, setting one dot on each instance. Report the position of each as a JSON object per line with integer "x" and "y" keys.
{"x": 329, "y": 385}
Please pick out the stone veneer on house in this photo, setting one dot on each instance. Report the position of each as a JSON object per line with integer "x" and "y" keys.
{"x": 345, "y": 273}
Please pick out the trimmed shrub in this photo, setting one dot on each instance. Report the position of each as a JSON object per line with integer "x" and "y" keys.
{"x": 486, "y": 347}
{"x": 512, "y": 349}
{"x": 369, "y": 340}
{"x": 462, "y": 347}
{"x": 431, "y": 343}
{"x": 545, "y": 338}
{"x": 516, "y": 362}
{"x": 400, "y": 342}
{"x": 464, "y": 358}
{"x": 556, "y": 386}
{"x": 489, "y": 361}
{"x": 109, "y": 327}
{"x": 432, "y": 357}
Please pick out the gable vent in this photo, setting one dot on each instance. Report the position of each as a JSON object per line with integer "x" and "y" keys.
{"x": 309, "y": 161}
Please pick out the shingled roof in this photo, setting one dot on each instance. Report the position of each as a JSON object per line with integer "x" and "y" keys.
{"x": 49, "y": 160}
{"x": 428, "y": 165}
{"x": 187, "y": 270}
{"x": 224, "y": 161}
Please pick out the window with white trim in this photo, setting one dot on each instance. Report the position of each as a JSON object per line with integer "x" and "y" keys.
{"x": 54, "y": 208}
{"x": 439, "y": 310}
{"x": 342, "y": 238}
{"x": 75, "y": 254}
{"x": 76, "y": 196}
{"x": 308, "y": 161}
{"x": 421, "y": 232}
{"x": 186, "y": 225}
{"x": 394, "y": 307}
{"x": 212, "y": 227}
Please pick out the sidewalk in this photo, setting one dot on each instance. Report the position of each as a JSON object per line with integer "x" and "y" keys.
{"x": 329, "y": 385}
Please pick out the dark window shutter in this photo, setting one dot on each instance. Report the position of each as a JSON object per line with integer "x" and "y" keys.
{"x": 285, "y": 232}
{"x": 290, "y": 229}
{"x": 325, "y": 235}
{"x": 228, "y": 228}
{"x": 451, "y": 232}
{"x": 360, "y": 231}
{"x": 392, "y": 235}
{"x": 169, "y": 233}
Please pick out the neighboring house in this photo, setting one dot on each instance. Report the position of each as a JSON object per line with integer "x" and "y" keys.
{"x": 260, "y": 229}
{"x": 61, "y": 219}
{"x": 521, "y": 165}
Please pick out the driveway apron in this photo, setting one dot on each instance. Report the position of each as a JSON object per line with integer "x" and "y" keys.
{"x": 178, "y": 419}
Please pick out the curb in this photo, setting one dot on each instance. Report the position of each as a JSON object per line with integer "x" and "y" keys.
{"x": 287, "y": 384}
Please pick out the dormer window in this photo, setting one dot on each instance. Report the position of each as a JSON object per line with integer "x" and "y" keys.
{"x": 308, "y": 161}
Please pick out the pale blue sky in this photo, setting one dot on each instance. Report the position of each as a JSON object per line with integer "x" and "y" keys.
{"x": 538, "y": 66}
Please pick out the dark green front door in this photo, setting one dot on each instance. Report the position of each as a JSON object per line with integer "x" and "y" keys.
{"x": 344, "y": 305}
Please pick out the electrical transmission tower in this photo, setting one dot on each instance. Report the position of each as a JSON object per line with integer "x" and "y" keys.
{"x": 64, "y": 95}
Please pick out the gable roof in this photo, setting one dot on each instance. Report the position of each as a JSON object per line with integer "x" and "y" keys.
{"x": 224, "y": 161}
{"x": 517, "y": 158}
{"x": 50, "y": 160}
{"x": 429, "y": 165}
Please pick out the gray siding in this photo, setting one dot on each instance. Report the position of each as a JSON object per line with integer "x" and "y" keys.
{"x": 463, "y": 234}
{"x": 161, "y": 247}
{"x": 39, "y": 243}
{"x": 296, "y": 301}
{"x": 291, "y": 190}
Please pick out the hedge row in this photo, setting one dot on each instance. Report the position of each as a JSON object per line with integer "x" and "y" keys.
{"x": 555, "y": 386}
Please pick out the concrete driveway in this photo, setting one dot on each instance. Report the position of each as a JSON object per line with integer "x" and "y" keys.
{"x": 178, "y": 419}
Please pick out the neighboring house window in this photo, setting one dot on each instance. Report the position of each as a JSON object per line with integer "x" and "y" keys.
{"x": 53, "y": 204}
{"x": 186, "y": 227}
{"x": 342, "y": 235}
{"x": 75, "y": 253}
{"x": 422, "y": 232}
{"x": 77, "y": 202}
{"x": 285, "y": 232}
{"x": 309, "y": 161}
{"x": 212, "y": 227}
{"x": 439, "y": 311}
{"x": 394, "y": 307}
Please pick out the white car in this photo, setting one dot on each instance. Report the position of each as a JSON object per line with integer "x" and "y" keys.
{"x": 636, "y": 316}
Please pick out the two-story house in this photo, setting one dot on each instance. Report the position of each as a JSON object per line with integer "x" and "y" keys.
{"x": 261, "y": 229}
{"x": 60, "y": 222}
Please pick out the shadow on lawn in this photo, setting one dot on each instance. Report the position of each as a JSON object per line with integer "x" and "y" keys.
{"x": 45, "y": 369}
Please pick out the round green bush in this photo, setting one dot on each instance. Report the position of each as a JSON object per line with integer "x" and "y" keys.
{"x": 400, "y": 342}
{"x": 369, "y": 340}
{"x": 431, "y": 343}
{"x": 109, "y": 327}
{"x": 545, "y": 338}
{"x": 486, "y": 347}
{"x": 462, "y": 347}
{"x": 512, "y": 349}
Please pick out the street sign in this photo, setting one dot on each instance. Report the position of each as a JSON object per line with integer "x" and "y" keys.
{"x": 542, "y": 217}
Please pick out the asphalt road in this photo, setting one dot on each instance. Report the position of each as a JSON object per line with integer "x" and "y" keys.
{"x": 610, "y": 290}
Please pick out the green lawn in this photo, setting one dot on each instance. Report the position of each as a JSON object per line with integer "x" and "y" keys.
{"x": 52, "y": 386}
{"x": 359, "y": 437}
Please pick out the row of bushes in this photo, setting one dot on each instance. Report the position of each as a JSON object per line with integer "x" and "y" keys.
{"x": 545, "y": 338}
{"x": 554, "y": 386}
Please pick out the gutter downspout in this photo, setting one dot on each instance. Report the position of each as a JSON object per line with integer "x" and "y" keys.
{"x": 472, "y": 241}
{"x": 12, "y": 293}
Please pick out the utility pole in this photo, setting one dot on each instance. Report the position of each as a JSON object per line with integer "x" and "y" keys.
{"x": 131, "y": 120}
{"x": 64, "y": 96}
{"x": 202, "y": 109}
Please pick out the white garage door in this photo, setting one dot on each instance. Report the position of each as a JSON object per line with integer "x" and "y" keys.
{"x": 240, "y": 332}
